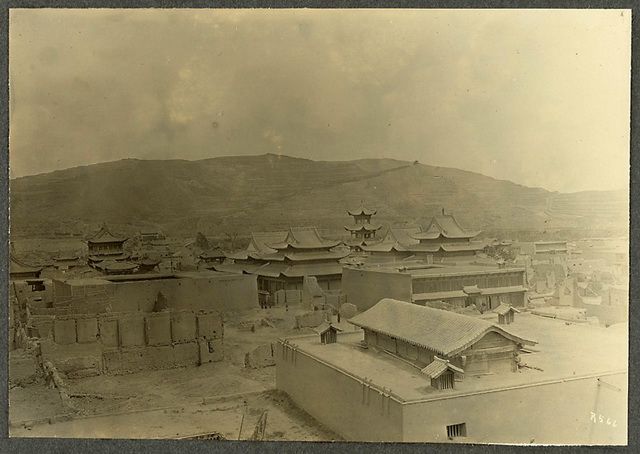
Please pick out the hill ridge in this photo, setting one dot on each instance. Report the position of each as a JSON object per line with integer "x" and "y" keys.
{"x": 270, "y": 191}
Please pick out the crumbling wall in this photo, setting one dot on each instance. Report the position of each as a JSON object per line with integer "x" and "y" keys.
{"x": 191, "y": 293}
{"x": 348, "y": 310}
{"x": 310, "y": 319}
{"x": 74, "y": 360}
{"x": 293, "y": 296}
{"x": 261, "y": 356}
{"x": 129, "y": 342}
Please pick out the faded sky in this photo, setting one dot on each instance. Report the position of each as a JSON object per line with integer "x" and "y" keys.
{"x": 540, "y": 98}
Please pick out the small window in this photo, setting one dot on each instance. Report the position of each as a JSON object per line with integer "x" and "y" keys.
{"x": 457, "y": 430}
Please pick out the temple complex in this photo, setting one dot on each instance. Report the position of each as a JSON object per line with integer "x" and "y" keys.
{"x": 104, "y": 244}
{"x": 443, "y": 238}
{"x": 281, "y": 260}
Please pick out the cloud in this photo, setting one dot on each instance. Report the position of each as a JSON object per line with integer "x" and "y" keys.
{"x": 537, "y": 97}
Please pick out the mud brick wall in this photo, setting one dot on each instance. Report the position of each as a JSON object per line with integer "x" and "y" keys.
{"x": 64, "y": 330}
{"x": 183, "y": 326}
{"x": 210, "y": 350}
{"x": 158, "y": 328}
{"x": 210, "y": 325}
{"x": 310, "y": 319}
{"x": 261, "y": 356}
{"x": 129, "y": 360}
{"x": 130, "y": 342}
{"x": 40, "y": 326}
{"x": 131, "y": 331}
{"x": 108, "y": 331}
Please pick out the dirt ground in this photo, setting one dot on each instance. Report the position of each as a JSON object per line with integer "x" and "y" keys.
{"x": 212, "y": 398}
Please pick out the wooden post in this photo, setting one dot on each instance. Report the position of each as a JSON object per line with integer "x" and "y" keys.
{"x": 241, "y": 422}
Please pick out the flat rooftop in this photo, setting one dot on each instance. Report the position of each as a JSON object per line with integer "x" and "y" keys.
{"x": 102, "y": 280}
{"x": 564, "y": 350}
{"x": 429, "y": 270}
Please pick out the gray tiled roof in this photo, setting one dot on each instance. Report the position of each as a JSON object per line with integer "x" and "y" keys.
{"x": 442, "y": 331}
{"x": 504, "y": 309}
{"x": 438, "y": 366}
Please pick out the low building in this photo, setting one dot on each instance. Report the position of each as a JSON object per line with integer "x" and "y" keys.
{"x": 418, "y": 334}
{"x": 422, "y": 284}
{"x": 66, "y": 262}
{"x": 542, "y": 249}
{"x": 506, "y": 314}
{"x": 569, "y": 390}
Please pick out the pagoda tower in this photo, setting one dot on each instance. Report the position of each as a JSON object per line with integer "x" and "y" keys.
{"x": 362, "y": 228}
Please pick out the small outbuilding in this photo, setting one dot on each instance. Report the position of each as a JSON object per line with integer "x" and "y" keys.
{"x": 328, "y": 333}
{"x": 505, "y": 313}
{"x": 442, "y": 373}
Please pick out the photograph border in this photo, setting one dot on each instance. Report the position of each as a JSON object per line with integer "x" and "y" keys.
{"x": 183, "y": 446}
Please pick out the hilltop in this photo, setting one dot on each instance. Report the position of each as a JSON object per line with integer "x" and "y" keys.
{"x": 244, "y": 193}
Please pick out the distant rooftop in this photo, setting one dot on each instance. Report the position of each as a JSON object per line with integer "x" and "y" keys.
{"x": 426, "y": 270}
{"x": 105, "y": 236}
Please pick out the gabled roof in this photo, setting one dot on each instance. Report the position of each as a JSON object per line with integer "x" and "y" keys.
{"x": 446, "y": 226}
{"x": 362, "y": 210}
{"x": 398, "y": 239}
{"x": 442, "y": 331}
{"x": 504, "y": 309}
{"x": 324, "y": 327}
{"x": 439, "y": 366}
{"x": 260, "y": 240}
{"x": 271, "y": 269}
{"x": 303, "y": 238}
{"x": 471, "y": 290}
{"x": 104, "y": 236}
{"x": 366, "y": 227}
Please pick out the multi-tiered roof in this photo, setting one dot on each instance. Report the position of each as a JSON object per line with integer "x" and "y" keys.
{"x": 444, "y": 234}
{"x": 362, "y": 229}
{"x": 297, "y": 252}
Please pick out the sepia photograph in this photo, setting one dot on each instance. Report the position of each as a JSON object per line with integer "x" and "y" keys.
{"x": 316, "y": 225}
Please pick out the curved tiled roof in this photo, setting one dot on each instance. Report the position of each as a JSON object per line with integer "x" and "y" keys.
{"x": 446, "y": 226}
{"x": 363, "y": 227}
{"x": 362, "y": 210}
{"x": 398, "y": 239}
{"x": 17, "y": 266}
{"x": 104, "y": 236}
{"x": 442, "y": 331}
{"x": 260, "y": 240}
{"x": 303, "y": 238}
